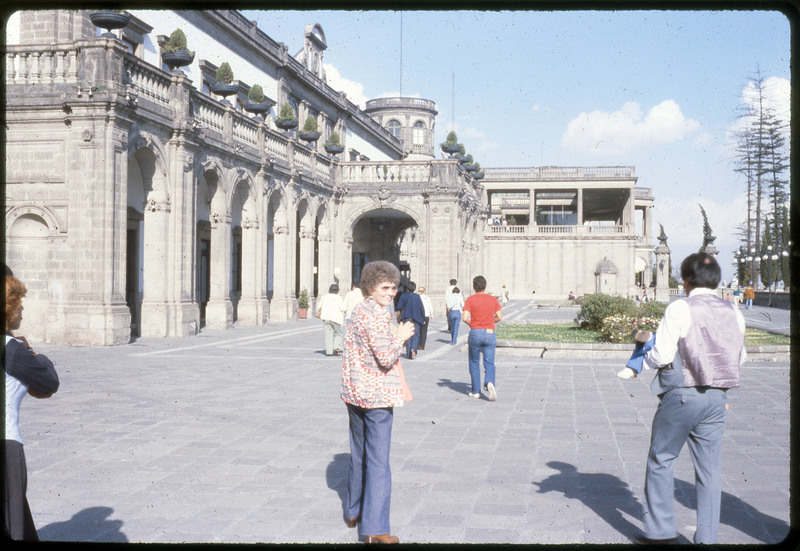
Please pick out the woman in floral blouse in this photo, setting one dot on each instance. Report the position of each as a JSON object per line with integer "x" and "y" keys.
{"x": 372, "y": 384}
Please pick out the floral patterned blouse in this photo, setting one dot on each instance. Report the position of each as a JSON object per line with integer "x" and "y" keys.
{"x": 370, "y": 353}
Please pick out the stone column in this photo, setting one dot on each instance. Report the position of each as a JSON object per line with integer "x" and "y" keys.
{"x": 219, "y": 310}
{"x": 579, "y": 200}
{"x": 325, "y": 273}
{"x": 252, "y": 305}
{"x": 662, "y": 269}
{"x": 307, "y": 259}
{"x": 281, "y": 308}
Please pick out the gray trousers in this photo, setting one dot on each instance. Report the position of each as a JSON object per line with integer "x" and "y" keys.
{"x": 685, "y": 415}
{"x": 333, "y": 337}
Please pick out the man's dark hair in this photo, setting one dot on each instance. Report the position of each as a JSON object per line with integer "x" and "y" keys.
{"x": 479, "y": 283}
{"x": 701, "y": 270}
{"x": 333, "y": 289}
{"x": 453, "y": 282}
{"x": 456, "y": 290}
{"x": 411, "y": 287}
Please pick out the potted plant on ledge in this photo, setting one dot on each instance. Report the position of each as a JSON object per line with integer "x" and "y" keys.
{"x": 462, "y": 155}
{"x": 451, "y": 144}
{"x": 286, "y": 119}
{"x": 258, "y": 103}
{"x": 302, "y": 304}
{"x": 469, "y": 166}
{"x": 333, "y": 146}
{"x": 174, "y": 53}
{"x": 223, "y": 86}
{"x": 309, "y": 132}
{"x": 477, "y": 173}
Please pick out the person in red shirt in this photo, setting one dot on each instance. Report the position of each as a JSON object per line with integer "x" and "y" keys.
{"x": 481, "y": 311}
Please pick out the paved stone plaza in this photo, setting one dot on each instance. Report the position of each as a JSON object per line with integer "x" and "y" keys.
{"x": 240, "y": 436}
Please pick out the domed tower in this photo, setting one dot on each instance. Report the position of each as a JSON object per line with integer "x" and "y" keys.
{"x": 411, "y": 120}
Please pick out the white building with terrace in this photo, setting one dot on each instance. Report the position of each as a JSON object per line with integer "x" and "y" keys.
{"x": 144, "y": 199}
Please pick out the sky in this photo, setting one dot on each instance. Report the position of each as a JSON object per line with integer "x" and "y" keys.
{"x": 658, "y": 90}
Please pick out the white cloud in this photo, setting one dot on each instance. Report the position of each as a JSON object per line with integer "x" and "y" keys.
{"x": 777, "y": 96}
{"x": 473, "y": 133}
{"x": 626, "y": 130}
{"x": 536, "y": 107}
{"x": 354, "y": 90}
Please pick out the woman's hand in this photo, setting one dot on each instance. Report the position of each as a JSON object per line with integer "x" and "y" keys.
{"x": 405, "y": 330}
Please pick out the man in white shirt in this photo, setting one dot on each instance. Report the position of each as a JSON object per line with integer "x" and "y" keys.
{"x": 698, "y": 349}
{"x": 352, "y": 299}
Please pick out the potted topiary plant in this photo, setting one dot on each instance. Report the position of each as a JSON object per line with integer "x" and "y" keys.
{"x": 451, "y": 145}
{"x": 302, "y": 304}
{"x": 110, "y": 20}
{"x": 333, "y": 146}
{"x": 477, "y": 174}
{"x": 174, "y": 53}
{"x": 469, "y": 164}
{"x": 286, "y": 119}
{"x": 309, "y": 132}
{"x": 223, "y": 86}
{"x": 462, "y": 155}
{"x": 258, "y": 103}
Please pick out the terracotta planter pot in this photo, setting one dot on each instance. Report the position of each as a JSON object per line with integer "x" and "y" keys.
{"x": 302, "y": 313}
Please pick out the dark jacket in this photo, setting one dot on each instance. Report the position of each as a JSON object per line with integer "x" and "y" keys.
{"x": 35, "y": 371}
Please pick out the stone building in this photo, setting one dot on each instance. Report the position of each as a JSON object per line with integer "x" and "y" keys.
{"x": 142, "y": 200}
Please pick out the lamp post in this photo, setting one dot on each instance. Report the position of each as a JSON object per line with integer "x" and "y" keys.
{"x": 768, "y": 257}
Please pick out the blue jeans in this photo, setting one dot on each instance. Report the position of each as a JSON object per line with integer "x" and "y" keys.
{"x": 637, "y": 358}
{"x": 696, "y": 416}
{"x": 453, "y": 320}
{"x": 369, "y": 482}
{"x": 481, "y": 341}
{"x": 748, "y": 303}
{"x": 413, "y": 342}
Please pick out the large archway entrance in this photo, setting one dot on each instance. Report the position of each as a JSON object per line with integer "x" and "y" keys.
{"x": 386, "y": 234}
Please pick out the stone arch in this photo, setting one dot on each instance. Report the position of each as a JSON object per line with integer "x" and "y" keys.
{"x": 379, "y": 233}
{"x": 31, "y": 221}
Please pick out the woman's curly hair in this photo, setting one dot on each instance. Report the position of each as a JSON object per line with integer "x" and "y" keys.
{"x": 15, "y": 290}
{"x": 375, "y": 273}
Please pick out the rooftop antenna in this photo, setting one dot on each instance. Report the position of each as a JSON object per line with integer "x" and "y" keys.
{"x": 401, "y": 53}
{"x": 453, "y": 105}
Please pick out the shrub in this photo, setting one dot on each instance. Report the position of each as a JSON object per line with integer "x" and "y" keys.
{"x": 177, "y": 41}
{"x": 452, "y": 139}
{"x": 224, "y": 73}
{"x": 310, "y": 125}
{"x": 302, "y": 298}
{"x": 618, "y": 329}
{"x": 333, "y": 139}
{"x": 256, "y": 94}
{"x": 287, "y": 113}
{"x": 597, "y": 307}
{"x": 652, "y": 309}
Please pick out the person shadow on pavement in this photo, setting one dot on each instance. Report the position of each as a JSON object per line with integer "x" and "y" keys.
{"x": 459, "y": 386}
{"x": 91, "y": 524}
{"x": 336, "y": 475}
{"x": 605, "y": 494}
{"x": 738, "y": 514}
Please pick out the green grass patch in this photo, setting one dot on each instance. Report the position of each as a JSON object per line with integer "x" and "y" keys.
{"x": 759, "y": 337}
{"x": 555, "y": 332}
{"x": 571, "y": 332}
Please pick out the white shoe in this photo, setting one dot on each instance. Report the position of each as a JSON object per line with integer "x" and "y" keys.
{"x": 492, "y": 392}
{"x": 474, "y": 394}
{"x": 626, "y": 373}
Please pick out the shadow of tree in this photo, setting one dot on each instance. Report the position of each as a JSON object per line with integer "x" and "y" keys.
{"x": 735, "y": 512}
{"x": 458, "y": 386}
{"x": 90, "y": 524}
{"x": 336, "y": 475}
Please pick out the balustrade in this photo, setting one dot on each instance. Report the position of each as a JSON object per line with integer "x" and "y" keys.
{"x": 50, "y": 66}
{"x": 616, "y": 230}
{"x": 559, "y": 172}
{"x": 148, "y": 81}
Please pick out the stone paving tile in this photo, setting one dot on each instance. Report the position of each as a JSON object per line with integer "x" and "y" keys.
{"x": 200, "y": 440}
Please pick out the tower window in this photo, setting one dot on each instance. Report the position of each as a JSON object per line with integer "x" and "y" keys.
{"x": 394, "y": 128}
{"x": 419, "y": 133}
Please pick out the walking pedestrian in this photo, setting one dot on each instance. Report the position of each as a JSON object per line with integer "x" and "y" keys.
{"x": 454, "y": 302}
{"x": 25, "y": 373}
{"x": 331, "y": 311}
{"x": 428, "y": 306}
{"x": 749, "y": 295}
{"x": 353, "y": 297}
{"x": 410, "y": 308}
{"x": 481, "y": 311}
{"x": 449, "y": 290}
{"x": 699, "y": 347}
{"x": 372, "y": 385}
